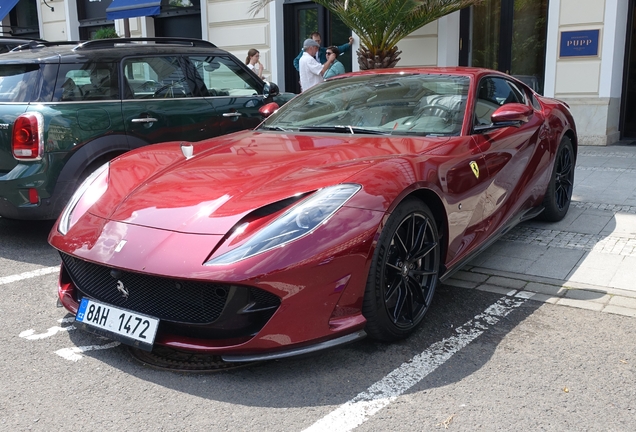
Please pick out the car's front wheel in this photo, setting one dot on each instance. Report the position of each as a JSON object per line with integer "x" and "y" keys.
{"x": 404, "y": 272}
{"x": 559, "y": 193}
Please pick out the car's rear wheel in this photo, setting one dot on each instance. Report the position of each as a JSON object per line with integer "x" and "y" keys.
{"x": 559, "y": 193}
{"x": 404, "y": 273}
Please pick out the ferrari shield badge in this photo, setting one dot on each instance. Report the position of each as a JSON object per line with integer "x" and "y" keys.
{"x": 475, "y": 168}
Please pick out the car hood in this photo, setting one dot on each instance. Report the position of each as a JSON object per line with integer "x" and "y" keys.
{"x": 231, "y": 176}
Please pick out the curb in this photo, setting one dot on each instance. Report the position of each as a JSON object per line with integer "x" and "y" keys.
{"x": 546, "y": 290}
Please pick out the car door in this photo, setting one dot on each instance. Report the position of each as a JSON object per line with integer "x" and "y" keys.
{"x": 164, "y": 101}
{"x": 513, "y": 155}
{"x": 234, "y": 92}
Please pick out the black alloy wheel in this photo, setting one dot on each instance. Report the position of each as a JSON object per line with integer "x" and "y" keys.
{"x": 404, "y": 273}
{"x": 559, "y": 193}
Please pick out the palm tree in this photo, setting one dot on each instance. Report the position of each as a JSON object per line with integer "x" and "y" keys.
{"x": 381, "y": 24}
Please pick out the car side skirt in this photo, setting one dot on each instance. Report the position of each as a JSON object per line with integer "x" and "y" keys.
{"x": 528, "y": 214}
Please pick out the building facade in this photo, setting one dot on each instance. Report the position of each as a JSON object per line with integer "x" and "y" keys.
{"x": 579, "y": 51}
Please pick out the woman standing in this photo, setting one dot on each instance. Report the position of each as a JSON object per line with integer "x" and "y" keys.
{"x": 252, "y": 62}
{"x": 336, "y": 68}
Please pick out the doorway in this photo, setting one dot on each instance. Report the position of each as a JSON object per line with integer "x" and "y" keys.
{"x": 302, "y": 18}
{"x": 506, "y": 35}
{"x": 627, "y": 122}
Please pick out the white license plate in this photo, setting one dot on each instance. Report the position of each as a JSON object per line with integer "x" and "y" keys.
{"x": 126, "y": 326}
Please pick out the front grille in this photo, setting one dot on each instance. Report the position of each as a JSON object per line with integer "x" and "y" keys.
{"x": 168, "y": 299}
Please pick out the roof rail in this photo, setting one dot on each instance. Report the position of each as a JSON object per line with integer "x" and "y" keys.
{"x": 42, "y": 43}
{"x": 112, "y": 42}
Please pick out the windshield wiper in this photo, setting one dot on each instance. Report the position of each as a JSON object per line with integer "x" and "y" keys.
{"x": 341, "y": 129}
{"x": 277, "y": 128}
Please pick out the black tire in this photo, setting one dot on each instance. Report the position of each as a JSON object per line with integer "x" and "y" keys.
{"x": 404, "y": 273}
{"x": 556, "y": 201}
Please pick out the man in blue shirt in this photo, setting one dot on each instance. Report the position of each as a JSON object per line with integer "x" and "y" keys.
{"x": 322, "y": 56}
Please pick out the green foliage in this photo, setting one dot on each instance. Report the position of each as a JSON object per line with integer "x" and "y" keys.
{"x": 105, "y": 33}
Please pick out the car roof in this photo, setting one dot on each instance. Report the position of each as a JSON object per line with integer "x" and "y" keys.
{"x": 105, "y": 50}
{"x": 471, "y": 72}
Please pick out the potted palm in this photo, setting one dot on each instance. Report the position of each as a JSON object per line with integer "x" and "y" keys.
{"x": 381, "y": 24}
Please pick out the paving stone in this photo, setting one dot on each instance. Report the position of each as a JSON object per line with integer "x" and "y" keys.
{"x": 506, "y": 282}
{"x": 580, "y": 304}
{"x": 618, "y": 310}
{"x": 470, "y": 276}
{"x": 553, "y": 290}
{"x": 496, "y": 289}
{"x": 556, "y": 263}
{"x": 594, "y": 296}
{"x": 460, "y": 283}
{"x": 543, "y": 298}
{"x": 623, "y": 302}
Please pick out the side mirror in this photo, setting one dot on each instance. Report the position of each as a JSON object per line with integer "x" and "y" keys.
{"x": 270, "y": 90}
{"x": 268, "y": 109}
{"x": 512, "y": 114}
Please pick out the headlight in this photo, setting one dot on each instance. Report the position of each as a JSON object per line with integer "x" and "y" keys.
{"x": 295, "y": 223}
{"x": 83, "y": 198}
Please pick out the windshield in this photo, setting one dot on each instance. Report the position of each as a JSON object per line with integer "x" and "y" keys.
{"x": 379, "y": 104}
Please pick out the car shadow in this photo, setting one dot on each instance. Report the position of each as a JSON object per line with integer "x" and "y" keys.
{"x": 335, "y": 376}
{"x": 26, "y": 241}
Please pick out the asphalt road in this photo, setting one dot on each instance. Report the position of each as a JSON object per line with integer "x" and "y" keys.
{"x": 481, "y": 361}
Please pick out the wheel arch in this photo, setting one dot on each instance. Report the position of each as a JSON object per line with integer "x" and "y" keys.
{"x": 436, "y": 205}
{"x": 575, "y": 145}
{"x": 86, "y": 158}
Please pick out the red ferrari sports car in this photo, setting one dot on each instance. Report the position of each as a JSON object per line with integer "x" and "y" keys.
{"x": 335, "y": 219}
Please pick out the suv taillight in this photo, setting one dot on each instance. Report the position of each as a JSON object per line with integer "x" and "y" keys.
{"x": 27, "y": 140}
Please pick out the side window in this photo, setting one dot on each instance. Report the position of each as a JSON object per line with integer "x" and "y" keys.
{"x": 155, "y": 77}
{"x": 87, "y": 81}
{"x": 17, "y": 82}
{"x": 223, "y": 77}
{"x": 492, "y": 93}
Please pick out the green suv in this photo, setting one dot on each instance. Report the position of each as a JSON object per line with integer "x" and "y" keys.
{"x": 67, "y": 108}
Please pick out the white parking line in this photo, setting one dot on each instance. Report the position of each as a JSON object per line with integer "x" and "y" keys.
{"x": 31, "y": 335}
{"x": 28, "y": 275}
{"x": 359, "y": 409}
{"x": 74, "y": 353}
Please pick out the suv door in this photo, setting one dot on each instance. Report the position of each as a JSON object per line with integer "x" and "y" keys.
{"x": 163, "y": 101}
{"x": 235, "y": 93}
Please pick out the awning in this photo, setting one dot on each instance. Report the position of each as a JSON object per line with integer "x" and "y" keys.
{"x": 120, "y": 9}
{"x": 6, "y": 6}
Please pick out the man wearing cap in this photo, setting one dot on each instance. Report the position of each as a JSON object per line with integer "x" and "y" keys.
{"x": 311, "y": 71}
{"x": 322, "y": 51}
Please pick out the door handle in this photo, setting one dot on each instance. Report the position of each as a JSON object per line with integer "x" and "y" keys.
{"x": 232, "y": 114}
{"x": 144, "y": 120}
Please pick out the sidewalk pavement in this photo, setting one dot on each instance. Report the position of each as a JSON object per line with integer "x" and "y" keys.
{"x": 587, "y": 260}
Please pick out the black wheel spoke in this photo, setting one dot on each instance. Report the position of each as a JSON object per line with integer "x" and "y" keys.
{"x": 416, "y": 290}
{"x": 424, "y": 251}
{"x": 399, "y": 305}
{"x": 424, "y": 272}
{"x": 401, "y": 243}
{"x": 393, "y": 288}
{"x": 394, "y": 267}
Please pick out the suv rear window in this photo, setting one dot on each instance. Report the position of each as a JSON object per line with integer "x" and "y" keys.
{"x": 17, "y": 82}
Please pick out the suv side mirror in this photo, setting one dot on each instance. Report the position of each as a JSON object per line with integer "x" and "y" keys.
{"x": 512, "y": 114}
{"x": 270, "y": 90}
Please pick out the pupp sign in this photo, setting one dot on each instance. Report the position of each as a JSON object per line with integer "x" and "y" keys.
{"x": 582, "y": 43}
